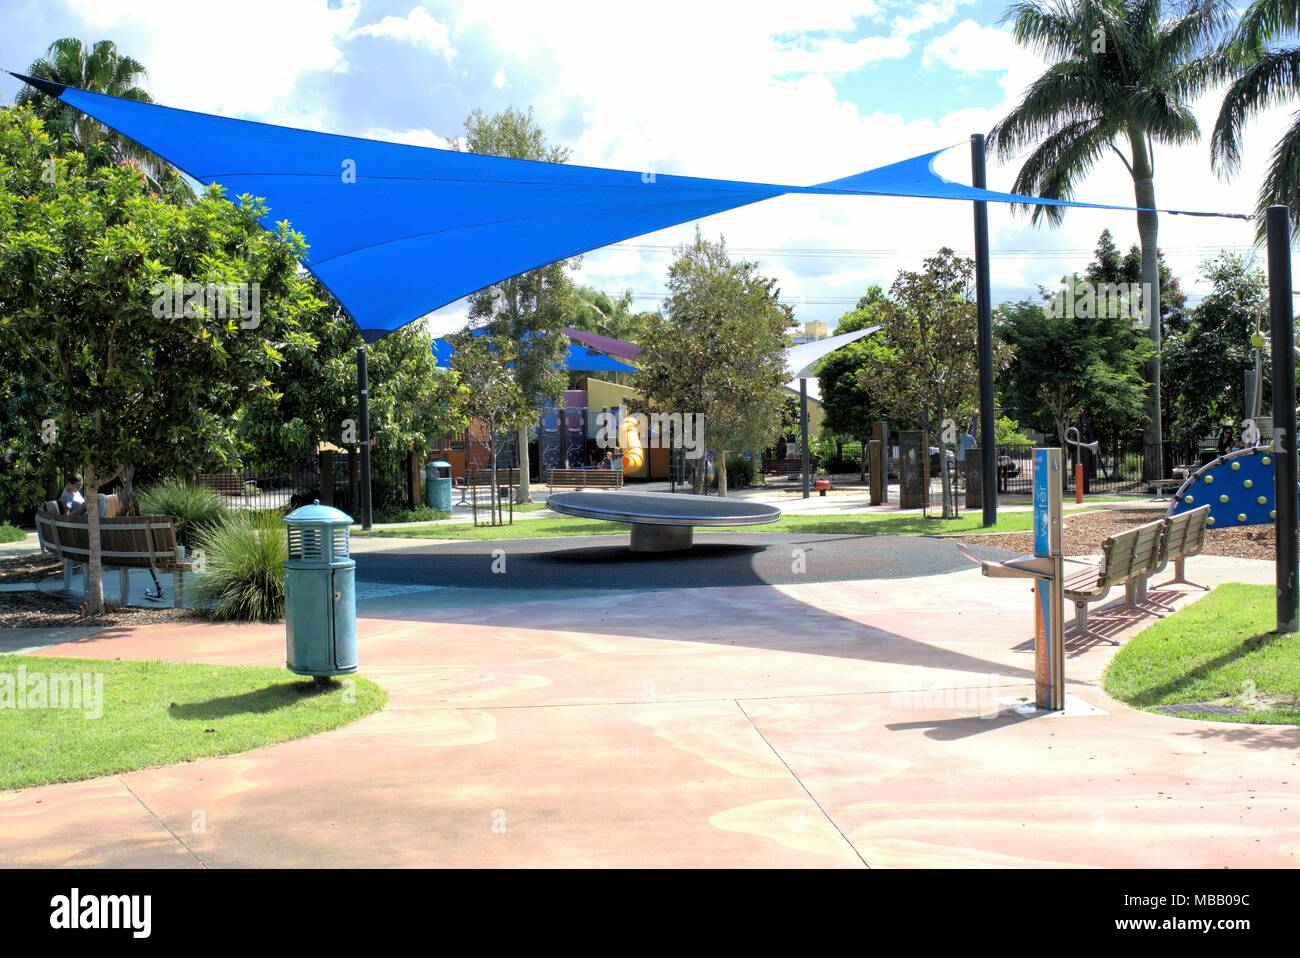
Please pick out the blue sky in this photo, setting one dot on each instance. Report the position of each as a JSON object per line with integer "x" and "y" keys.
{"x": 787, "y": 92}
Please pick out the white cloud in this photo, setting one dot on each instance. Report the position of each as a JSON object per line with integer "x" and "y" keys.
{"x": 413, "y": 137}
{"x": 419, "y": 27}
{"x": 499, "y": 80}
{"x": 240, "y": 60}
{"x": 927, "y": 15}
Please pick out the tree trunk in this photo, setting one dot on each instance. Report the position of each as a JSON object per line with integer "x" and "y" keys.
{"x": 521, "y": 442}
{"x": 1144, "y": 191}
{"x": 95, "y": 562}
{"x": 722, "y": 473}
{"x": 862, "y": 462}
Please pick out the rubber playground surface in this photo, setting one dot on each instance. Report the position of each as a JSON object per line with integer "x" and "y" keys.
{"x": 833, "y": 721}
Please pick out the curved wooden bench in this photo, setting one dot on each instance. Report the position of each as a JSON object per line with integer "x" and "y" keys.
{"x": 125, "y": 543}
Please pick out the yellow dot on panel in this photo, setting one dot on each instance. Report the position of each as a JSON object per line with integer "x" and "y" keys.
{"x": 1272, "y": 513}
{"x": 1209, "y": 521}
{"x": 1223, "y": 498}
{"x": 1188, "y": 499}
{"x": 1266, "y": 460}
{"x": 1248, "y": 483}
{"x": 1262, "y": 500}
{"x": 1208, "y": 479}
{"x": 1236, "y": 466}
{"x": 1241, "y": 517}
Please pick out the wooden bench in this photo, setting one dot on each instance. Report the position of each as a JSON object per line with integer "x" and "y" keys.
{"x": 585, "y": 478}
{"x": 1127, "y": 559}
{"x": 125, "y": 543}
{"x": 1184, "y": 537}
{"x": 782, "y": 467}
{"x": 1158, "y": 486}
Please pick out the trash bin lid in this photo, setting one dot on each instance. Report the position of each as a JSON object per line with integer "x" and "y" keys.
{"x": 439, "y": 464}
{"x": 318, "y": 515}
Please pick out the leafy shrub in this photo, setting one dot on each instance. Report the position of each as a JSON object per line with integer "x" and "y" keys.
{"x": 10, "y": 533}
{"x": 392, "y": 513}
{"x": 741, "y": 472}
{"x": 191, "y": 505}
{"x": 243, "y": 555}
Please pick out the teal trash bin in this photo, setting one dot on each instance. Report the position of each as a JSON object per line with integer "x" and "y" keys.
{"x": 437, "y": 485}
{"x": 320, "y": 598}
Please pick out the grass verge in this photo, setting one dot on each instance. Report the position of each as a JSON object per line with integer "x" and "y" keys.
{"x": 10, "y": 533}
{"x": 148, "y": 714}
{"x": 1219, "y": 651}
{"x": 867, "y": 524}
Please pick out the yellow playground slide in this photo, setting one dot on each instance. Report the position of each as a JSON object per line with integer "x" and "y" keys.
{"x": 629, "y": 438}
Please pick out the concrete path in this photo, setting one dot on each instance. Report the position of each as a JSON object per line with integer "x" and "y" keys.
{"x": 832, "y": 724}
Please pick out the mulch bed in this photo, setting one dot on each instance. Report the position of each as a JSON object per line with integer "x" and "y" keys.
{"x": 39, "y": 610}
{"x": 1085, "y": 532}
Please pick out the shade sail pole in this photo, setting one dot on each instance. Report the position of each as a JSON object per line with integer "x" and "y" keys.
{"x": 1282, "y": 329}
{"x": 984, "y": 309}
{"x": 363, "y": 414}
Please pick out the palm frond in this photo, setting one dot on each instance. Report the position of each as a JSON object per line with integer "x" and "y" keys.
{"x": 1266, "y": 21}
{"x": 1272, "y": 79}
{"x": 1067, "y": 92}
{"x": 1282, "y": 179}
{"x": 1061, "y": 161}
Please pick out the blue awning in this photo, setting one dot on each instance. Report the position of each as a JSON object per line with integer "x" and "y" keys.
{"x": 397, "y": 231}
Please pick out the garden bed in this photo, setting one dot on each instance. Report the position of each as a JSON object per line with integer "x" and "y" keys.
{"x": 1084, "y": 533}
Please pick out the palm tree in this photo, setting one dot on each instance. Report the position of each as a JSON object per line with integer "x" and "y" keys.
{"x": 1121, "y": 80}
{"x": 99, "y": 69}
{"x": 1264, "y": 75}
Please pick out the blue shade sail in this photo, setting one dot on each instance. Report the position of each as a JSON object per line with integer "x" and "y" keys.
{"x": 577, "y": 360}
{"x": 397, "y": 231}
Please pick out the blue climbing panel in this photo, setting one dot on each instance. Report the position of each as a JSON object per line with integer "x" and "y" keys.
{"x": 1238, "y": 488}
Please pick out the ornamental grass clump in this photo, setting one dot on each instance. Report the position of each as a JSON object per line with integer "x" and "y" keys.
{"x": 242, "y": 559}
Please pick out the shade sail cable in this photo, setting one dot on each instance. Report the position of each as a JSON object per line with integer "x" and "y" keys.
{"x": 397, "y": 231}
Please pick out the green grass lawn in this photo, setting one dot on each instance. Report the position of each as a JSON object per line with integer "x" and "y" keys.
{"x": 158, "y": 713}
{"x": 1219, "y": 650}
{"x": 868, "y": 524}
{"x": 10, "y": 533}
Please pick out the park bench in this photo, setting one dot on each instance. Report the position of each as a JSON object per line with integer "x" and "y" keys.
{"x": 1127, "y": 559}
{"x": 477, "y": 477}
{"x": 126, "y": 542}
{"x": 584, "y": 478}
{"x": 782, "y": 467}
{"x": 1158, "y": 486}
{"x": 1184, "y": 537}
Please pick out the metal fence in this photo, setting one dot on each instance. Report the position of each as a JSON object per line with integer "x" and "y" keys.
{"x": 1120, "y": 468}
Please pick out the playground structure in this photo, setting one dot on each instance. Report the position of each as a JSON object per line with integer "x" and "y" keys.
{"x": 629, "y": 440}
{"x": 1239, "y": 488}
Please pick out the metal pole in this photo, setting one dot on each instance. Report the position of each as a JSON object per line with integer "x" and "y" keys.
{"x": 1282, "y": 322}
{"x": 363, "y": 414}
{"x": 984, "y": 308}
{"x": 803, "y": 432}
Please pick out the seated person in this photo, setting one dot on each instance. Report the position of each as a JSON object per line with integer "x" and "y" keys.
{"x": 72, "y": 502}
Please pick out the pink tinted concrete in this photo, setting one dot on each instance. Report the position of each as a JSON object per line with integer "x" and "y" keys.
{"x": 821, "y": 725}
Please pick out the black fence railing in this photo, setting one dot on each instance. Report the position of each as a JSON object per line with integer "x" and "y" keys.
{"x": 1119, "y": 468}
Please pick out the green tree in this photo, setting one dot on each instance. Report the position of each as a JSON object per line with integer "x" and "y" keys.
{"x": 930, "y": 370}
{"x": 99, "y": 68}
{"x": 1207, "y": 361}
{"x": 125, "y": 373}
{"x": 1067, "y": 361}
{"x": 491, "y": 396}
{"x": 1123, "y": 77}
{"x": 718, "y": 350}
{"x": 529, "y": 310}
{"x": 1265, "y": 72}
{"x": 852, "y": 403}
